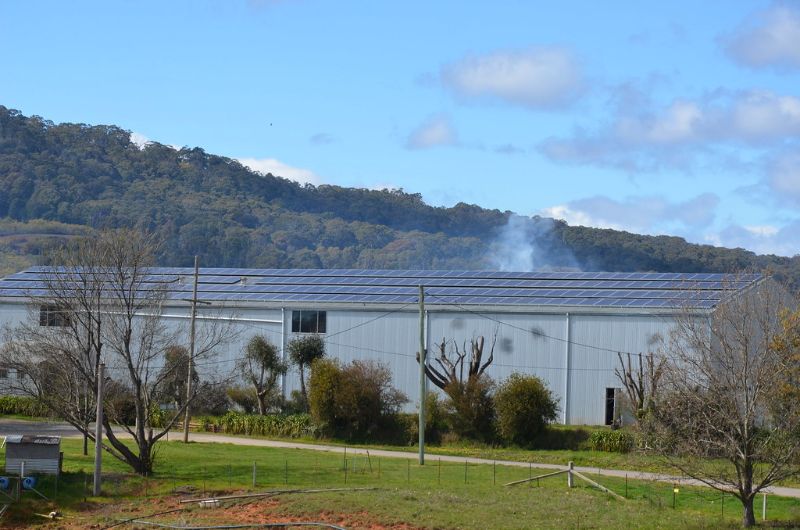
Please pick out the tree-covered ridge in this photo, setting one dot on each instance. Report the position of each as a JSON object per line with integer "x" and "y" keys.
{"x": 68, "y": 176}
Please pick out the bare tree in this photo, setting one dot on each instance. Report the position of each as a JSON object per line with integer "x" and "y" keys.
{"x": 451, "y": 361}
{"x": 100, "y": 305}
{"x": 723, "y": 417}
{"x": 261, "y": 367}
{"x": 640, "y": 379}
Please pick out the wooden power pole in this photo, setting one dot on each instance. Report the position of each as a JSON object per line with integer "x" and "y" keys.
{"x": 422, "y": 358}
{"x": 188, "y": 414}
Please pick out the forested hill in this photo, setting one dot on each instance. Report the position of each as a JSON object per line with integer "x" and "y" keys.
{"x": 61, "y": 180}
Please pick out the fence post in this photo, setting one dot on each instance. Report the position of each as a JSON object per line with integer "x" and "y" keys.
{"x": 570, "y": 479}
{"x": 465, "y": 470}
{"x": 494, "y": 472}
{"x": 764, "y": 507}
{"x": 254, "y": 473}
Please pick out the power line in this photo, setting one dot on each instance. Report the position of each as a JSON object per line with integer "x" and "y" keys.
{"x": 508, "y": 324}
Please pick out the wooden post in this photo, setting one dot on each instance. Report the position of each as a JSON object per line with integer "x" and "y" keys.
{"x": 188, "y": 413}
{"x": 98, "y": 432}
{"x": 570, "y": 479}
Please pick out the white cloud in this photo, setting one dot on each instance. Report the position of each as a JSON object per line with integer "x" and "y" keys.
{"x": 643, "y": 138}
{"x": 643, "y": 214}
{"x": 139, "y": 139}
{"x": 538, "y": 78}
{"x": 766, "y": 239}
{"x": 783, "y": 177}
{"x": 279, "y": 169}
{"x": 769, "y": 39}
{"x": 762, "y": 230}
{"x": 435, "y": 131}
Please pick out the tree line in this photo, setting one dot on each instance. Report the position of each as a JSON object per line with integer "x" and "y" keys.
{"x": 60, "y": 179}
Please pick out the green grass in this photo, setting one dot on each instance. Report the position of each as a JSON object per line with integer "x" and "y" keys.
{"x": 433, "y": 496}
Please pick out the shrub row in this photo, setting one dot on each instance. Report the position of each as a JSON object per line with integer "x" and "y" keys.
{"x": 23, "y": 406}
{"x": 288, "y": 426}
{"x": 612, "y": 441}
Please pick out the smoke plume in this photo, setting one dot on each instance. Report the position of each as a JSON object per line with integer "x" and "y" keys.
{"x": 527, "y": 244}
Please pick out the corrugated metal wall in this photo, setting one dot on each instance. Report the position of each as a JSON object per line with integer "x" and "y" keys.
{"x": 526, "y": 342}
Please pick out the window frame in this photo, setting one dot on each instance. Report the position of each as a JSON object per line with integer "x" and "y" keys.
{"x": 309, "y": 321}
{"x": 51, "y": 316}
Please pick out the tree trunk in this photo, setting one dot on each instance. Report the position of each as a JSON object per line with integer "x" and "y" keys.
{"x": 86, "y": 439}
{"x": 262, "y": 403}
{"x": 749, "y": 517}
{"x": 303, "y": 387}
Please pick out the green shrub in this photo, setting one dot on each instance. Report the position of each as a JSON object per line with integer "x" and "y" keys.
{"x": 524, "y": 407}
{"x": 356, "y": 401}
{"x": 245, "y": 398}
{"x": 612, "y": 441}
{"x": 470, "y": 409}
{"x": 564, "y": 437}
{"x": 23, "y": 406}
{"x": 435, "y": 421}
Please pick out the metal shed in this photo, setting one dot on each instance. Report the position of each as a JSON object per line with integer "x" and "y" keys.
{"x": 565, "y": 327}
{"x": 41, "y": 454}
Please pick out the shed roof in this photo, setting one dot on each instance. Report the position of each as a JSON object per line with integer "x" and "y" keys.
{"x": 32, "y": 439}
{"x": 388, "y": 286}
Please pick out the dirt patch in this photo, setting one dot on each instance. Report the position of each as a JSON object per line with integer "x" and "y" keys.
{"x": 256, "y": 511}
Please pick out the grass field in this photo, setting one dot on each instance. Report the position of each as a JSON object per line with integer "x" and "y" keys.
{"x": 405, "y": 496}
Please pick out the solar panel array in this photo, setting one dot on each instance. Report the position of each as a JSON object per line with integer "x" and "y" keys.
{"x": 468, "y": 288}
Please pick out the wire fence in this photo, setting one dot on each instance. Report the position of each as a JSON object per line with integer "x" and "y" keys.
{"x": 298, "y": 469}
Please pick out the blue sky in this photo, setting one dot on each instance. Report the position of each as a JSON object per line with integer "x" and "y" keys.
{"x": 655, "y": 117}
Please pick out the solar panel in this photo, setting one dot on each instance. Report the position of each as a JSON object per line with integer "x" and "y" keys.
{"x": 597, "y": 289}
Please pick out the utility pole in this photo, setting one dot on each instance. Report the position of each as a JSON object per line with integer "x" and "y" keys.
{"x": 188, "y": 414}
{"x": 422, "y": 360}
{"x": 98, "y": 433}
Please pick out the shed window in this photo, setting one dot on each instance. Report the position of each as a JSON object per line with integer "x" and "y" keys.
{"x": 53, "y": 316}
{"x": 306, "y": 321}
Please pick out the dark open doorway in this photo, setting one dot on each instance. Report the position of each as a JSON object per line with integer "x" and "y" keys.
{"x": 610, "y": 405}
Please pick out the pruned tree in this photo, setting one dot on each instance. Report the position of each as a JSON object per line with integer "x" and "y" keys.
{"x": 460, "y": 373}
{"x": 98, "y": 305}
{"x": 451, "y": 361}
{"x": 303, "y": 351}
{"x": 261, "y": 366}
{"x": 640, "y": 380}
{"x": 723, "y": 416}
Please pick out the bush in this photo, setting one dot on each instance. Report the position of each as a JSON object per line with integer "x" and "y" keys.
{"x": 244, "y": 398}
{"x": 356, "y": 401}
{"x": 524, "y": 408}
{"x": 211, "y": 399}
{"x": 435, "y": 421}
{"x": 570, "y": 437}
{"x": 612, "y": 441}
{"x": 23, "y": 406}
{"x": 470, "y": 409}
